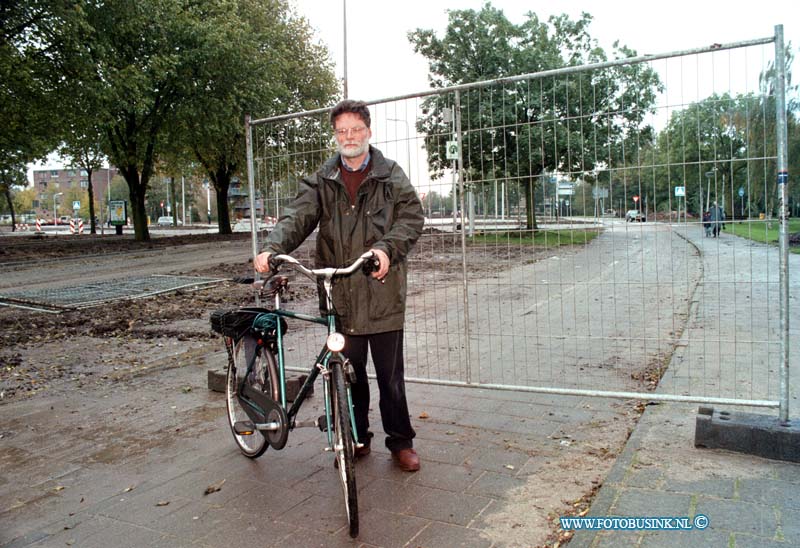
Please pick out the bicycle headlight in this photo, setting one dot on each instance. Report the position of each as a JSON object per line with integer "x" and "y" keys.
{"x": 335, "y": 342}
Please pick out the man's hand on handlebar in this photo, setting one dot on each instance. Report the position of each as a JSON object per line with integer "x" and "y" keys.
{"x": 261, "y": 262}
{"x": 383, "y": 260}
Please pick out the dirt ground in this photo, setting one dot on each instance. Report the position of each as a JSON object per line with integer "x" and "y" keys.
{"x": 79, "y": 350}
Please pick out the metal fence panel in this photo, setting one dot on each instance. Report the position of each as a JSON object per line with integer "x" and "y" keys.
{"x": 579, "y": 260}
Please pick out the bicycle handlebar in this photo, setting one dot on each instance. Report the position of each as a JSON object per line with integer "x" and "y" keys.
{"x": 276, "y": 261}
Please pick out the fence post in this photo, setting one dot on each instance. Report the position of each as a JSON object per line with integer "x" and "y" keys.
{"x": 460, "y": 171}
{"x": 251, "y": 185}
{"x": 783, "y": 195}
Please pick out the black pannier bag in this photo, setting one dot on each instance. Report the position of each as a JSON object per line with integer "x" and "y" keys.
{"x": 238, "y": 322}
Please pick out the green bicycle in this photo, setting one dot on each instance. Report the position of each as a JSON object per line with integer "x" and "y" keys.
{"x": 255, "y": 388}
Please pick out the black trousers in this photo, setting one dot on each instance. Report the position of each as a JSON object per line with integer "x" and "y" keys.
{"x": 387, "y": 356}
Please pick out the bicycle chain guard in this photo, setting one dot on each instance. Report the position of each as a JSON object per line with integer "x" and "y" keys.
{"x": 263, "y": 409}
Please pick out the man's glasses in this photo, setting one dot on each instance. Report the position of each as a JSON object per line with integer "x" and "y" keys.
{"x": 354, "y": 131}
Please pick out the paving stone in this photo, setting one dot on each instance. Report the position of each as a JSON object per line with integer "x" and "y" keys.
{"x": 738, "y": 516}
{"x": 443, "y": 506}
{"x": 614, "y": 539}
{"x": 492, "y": 484}
{"x": 787, "y": 471}
{"x": 790, "y": 526}
{"x": 641, "y": 502}
{"x": 490, "y": 421}
{"x": 769, "y": 491}
{"x": 388, "y": 529}
{"x": 450, "y": 453}
{"x": 323, "y": 514}
{"x": 497, "y": 459}
{"x": 437, "y": 535}
{"x": 103, "y": 532}
{"x": 145, "y": 507}
{"x": 391, "y": 496}
{"x": 450, "y": 477}
{"x": 749, "y": 541}
{"x": 644, "y": 477}
{"x": 706, "y": 538}
{"x": 720, "y": 487}
{"x": 252, "y": 529}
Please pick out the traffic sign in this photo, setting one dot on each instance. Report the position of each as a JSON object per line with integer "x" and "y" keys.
{"x": 680, "y": 191}
{"x": 76, "y": 205}
{"x": 452, "y": 150}
{"x": 741, "y": 191}
{"x": 635, "y": 199}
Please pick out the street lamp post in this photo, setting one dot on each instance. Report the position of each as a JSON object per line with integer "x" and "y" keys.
{"x": 55, "y": 207}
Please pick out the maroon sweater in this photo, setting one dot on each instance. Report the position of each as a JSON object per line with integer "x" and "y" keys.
{"x": 353, "y": 179}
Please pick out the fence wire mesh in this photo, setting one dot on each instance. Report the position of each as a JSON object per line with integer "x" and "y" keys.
{"x": 586, "y": 262}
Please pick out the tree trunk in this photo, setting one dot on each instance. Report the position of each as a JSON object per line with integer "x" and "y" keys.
{"x": 136, "y": 189}
{"x": 530, "y": 205}
{"x": 7, "y": 193}
{"x": 222, "y": 183}
{"x": 93, "y": 229}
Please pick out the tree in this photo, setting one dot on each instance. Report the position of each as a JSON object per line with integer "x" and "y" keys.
{"x": 526, "y": 130}
{"x": 271, "y": 66}
{"x": 131, "y": 81}
{"x": 725, "y": 142}
{"x": 10, "y": 177}
{"x": 33, "y": 36}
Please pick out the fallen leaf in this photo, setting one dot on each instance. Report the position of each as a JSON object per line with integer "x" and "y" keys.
{"x": 214, "y": 487}
{"x": 58, "y": 488}
{"x": 509, "y": 466}
{"x": 423, "y": 415}
{"x": 162, "y": 503}
{"x": 130, "y": 488}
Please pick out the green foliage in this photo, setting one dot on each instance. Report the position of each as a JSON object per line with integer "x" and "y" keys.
{"x": 722, "y": 143}
{"x": 34, "y": 36}
{"x": 525, "y": 130}
{"x": 268, "y": 64}
{"x": 762, "y": 231}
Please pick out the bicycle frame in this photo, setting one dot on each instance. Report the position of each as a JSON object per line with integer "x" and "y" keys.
{"x": 325, "y": 355}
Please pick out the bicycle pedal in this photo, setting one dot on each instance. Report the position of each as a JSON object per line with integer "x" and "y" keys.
{"x": 244, "y": 428}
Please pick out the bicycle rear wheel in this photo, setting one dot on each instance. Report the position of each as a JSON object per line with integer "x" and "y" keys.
{"x": 344, "y": 445}
{"x": 263, "y": 377}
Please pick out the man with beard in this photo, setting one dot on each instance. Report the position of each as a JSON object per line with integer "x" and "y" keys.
{"x": 362, "y": 201}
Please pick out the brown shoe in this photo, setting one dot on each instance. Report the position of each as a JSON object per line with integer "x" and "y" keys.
{"x": 406, "y": 459}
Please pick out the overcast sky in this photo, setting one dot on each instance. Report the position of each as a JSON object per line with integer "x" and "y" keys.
{"x": 382, "y": 63}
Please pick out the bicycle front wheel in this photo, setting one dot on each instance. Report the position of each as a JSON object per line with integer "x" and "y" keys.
{"x": 263, "y": 377}
{"x": 345, "y": 446}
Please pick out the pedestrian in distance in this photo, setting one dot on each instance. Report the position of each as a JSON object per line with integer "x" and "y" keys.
{"x": 707, "y": 223}
{"x": 717, "y": 216}
{"x": 362, "y": 201}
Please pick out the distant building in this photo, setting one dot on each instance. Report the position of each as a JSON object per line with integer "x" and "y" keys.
{"x": 239, "y": 201}
{"x": 66, "y": 179}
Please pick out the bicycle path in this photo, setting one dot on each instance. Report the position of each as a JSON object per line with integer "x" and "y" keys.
{"x": 748, "y": 500}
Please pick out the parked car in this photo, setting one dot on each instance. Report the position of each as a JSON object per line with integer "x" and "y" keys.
{"x": 167, "y": 221}
{"x": 634, "y": 215}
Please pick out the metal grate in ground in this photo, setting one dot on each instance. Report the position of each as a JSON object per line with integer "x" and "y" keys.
{"x": 96, "y": 293}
